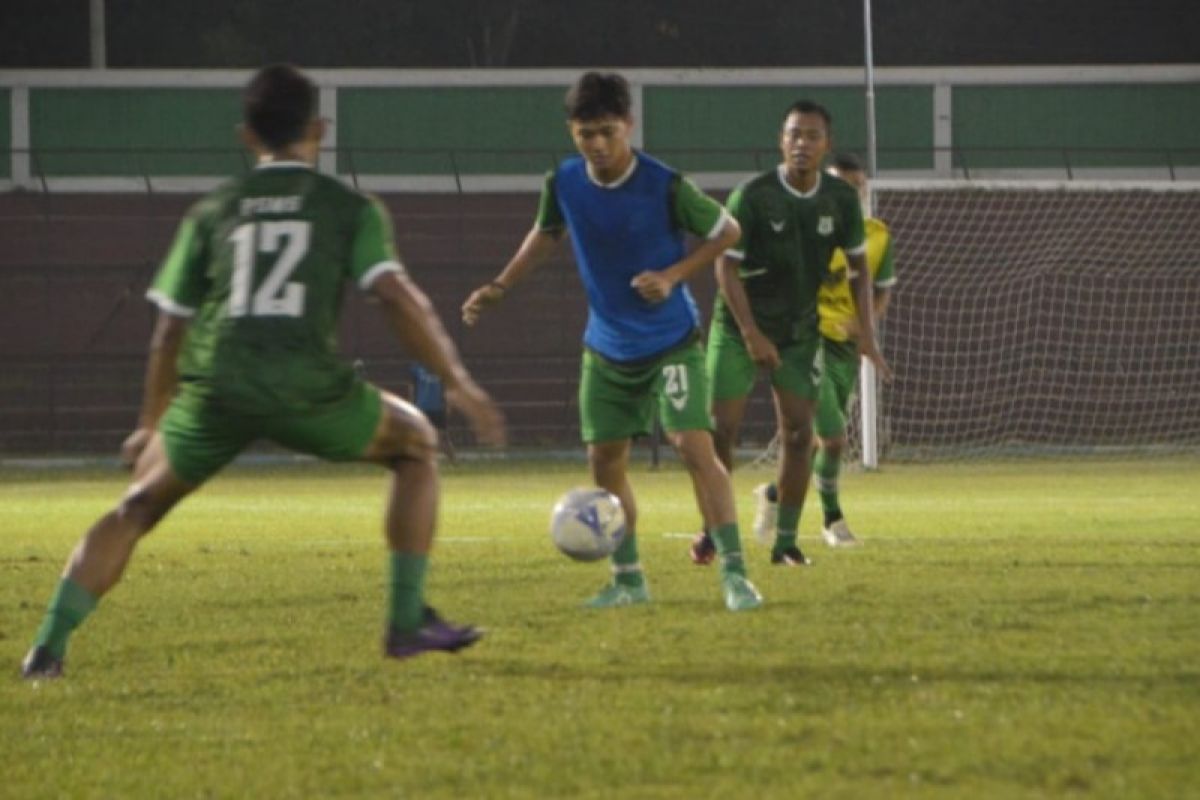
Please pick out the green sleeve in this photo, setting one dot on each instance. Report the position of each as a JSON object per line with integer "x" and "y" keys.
{"x": 855, "y": 236}
{"x": 549, "y": 215}
{"x": 741, "y": 211}
{"x": 695, "y": 211}
{"x": 182, "y": 281}
{"x": 374, "y": 249}
{"x": 886, "y": 276}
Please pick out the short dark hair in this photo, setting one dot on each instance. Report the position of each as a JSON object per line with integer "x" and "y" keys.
{"x": 597, "y": 95}
{"x": 278, "y": 103}
{"x": 847, "y": 162}
{"x": 809, "y": 107}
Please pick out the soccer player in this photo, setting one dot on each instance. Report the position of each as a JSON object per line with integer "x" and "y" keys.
{"x": 243, "y": 349}
{"x": 792, "y": 218}
{"x": 839, "y": 328}
{"x": 627, "y": 215}
{"x": 839, "y": 378}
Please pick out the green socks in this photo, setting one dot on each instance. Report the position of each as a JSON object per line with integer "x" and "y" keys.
{"x": 825, "y": 470}
{"x": 729, "y": 547}
{"x": 69, "y": 606}
{"x": 785, "y": 528}
{"x": 627, "y": 568}
{"x": 407, "y": 607}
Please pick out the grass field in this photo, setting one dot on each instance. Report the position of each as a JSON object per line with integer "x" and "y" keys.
{"x": 1021, "y": 629}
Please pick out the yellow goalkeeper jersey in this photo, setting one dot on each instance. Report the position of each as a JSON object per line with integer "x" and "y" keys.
{"x": 835, "y": 301}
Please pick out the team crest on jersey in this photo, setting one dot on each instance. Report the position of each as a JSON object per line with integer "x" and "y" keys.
{"x": 825, "y": 226}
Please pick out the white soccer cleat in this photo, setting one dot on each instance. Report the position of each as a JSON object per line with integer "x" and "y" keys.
{"x": 766, "y": 516}
{"x": 837, "y": 534}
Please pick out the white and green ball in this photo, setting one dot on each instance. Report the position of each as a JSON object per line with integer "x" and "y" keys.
{"x": 587, "y": 524}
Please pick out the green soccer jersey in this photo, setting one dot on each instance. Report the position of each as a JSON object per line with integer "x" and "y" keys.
{"x": 260, "y": 265}
{"x": 788, "y": 238}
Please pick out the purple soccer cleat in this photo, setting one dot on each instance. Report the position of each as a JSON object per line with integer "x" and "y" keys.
{"x": 41, "y": 663}
{"x": 435, "y": 633}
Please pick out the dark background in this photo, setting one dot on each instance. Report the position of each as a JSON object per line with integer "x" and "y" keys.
{"x": 619, "y": 33}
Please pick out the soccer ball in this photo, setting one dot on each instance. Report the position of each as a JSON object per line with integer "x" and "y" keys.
{"x": 587, "y": 524}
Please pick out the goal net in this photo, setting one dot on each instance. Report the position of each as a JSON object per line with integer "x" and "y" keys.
{"x": 1041, "y": 317}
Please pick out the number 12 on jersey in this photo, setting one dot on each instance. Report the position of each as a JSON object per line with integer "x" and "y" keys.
{"x": 287, "y": 240}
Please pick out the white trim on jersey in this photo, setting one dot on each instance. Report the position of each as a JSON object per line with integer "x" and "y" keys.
{"x": 168, "y": 305}
{"x": 283, "y": 165}
{"x": 619, "y": 181}
{"x": 740, "y": 255}
{"x": 781, "y": 172}
{"x": 374, "y": 272}
{"x": 724, "y": 219}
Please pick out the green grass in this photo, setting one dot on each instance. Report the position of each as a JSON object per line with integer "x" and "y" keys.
{"x": 1022, "y": 629}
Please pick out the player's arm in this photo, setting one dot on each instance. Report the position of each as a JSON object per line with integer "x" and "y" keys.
{"x": 880, "y": 299}
{"x": 540, "y": 243}
{"x": 161, "y": 380}
{"x": 411, "y": 315}
{"x": 885, "y": 278}
{"x": 178, "y": 289}
{"x": 419, "y": 329}
{"x": 881, "y": 287}
{"x": 864, "y": 308}
{"x": 761, "y": 349}
{"x": 729, "y": 281}
{"x": 537, "y": 248}
{"x": 854, "y": 245}
{"x": 700, "y": 214}
{"x": 882, "y": 283}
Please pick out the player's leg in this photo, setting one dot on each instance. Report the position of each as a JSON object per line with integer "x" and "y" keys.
{"x": 377, "y": 427}
{"x": 730, "y": 373}
{"x": 192, "y": 444}
{"x": 683, "y": 399}
{"x": 837, "y": 386}
{"x": 99, "y": 560}
{"x": 726, "y": 419}
{"x": 615, "y": 404}
{"x": 407, "y": 444}
{"x": 727, "y": 422}
{"x": 794, "y": 390}
{"x": 794, "y": 418}
{"x": 609, "y": 464}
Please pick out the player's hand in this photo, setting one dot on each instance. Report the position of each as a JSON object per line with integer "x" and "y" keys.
{"x": 481, "y": 412}
{"x": 654, "y": 287}
{"x": 761, "y": 350}
{"x": 134, "y": 444}
{"x": 487, "y": 295}
{"x": 868, "y": 349}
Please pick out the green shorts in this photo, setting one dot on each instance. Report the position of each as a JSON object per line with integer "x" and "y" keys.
{"x": 731, "y": 371}
{"x": 201, "y": 437}
{"x": 617, "y": 401}
{"x": 838, "y": 382}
